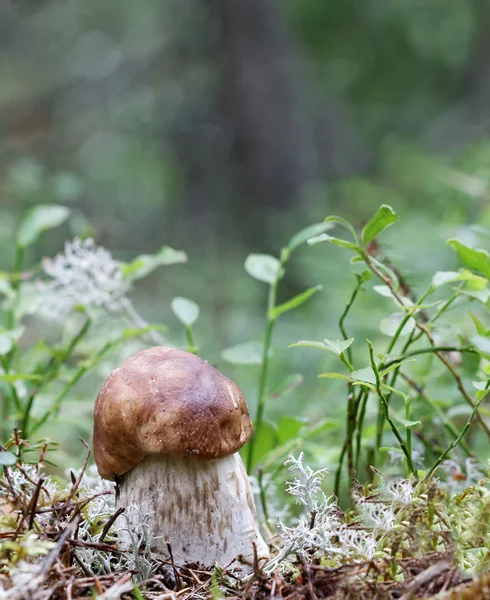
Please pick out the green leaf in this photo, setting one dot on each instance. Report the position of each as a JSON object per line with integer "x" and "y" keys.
{"x": 473, "y": 258}
{"x": 294, "y": 302}
{"x": 11, "y": 377}
{"x": 263, "y": 267}
{"x": 481, "y": 343}
{"x": 249, "y": 353}
{"x": 480, "y": 328}
{"x": 479, "y": 385}
{"x": 7, "y": 458}
{"x": 323, "y": 426}
{"x": 144, "y": 264}
{"x": 287, "y": 385}
{"x": 131, "y": 333}
{"x": 481, "y": 394}
{"x": 308, "y": 344}
{"x": 338, "y": 347}
{"x": 366, "y": 375}
{"x": 187, "y": 311}
{"x": 324, "y": 237}
{"x": 6, "y": 343}
{"x": 475, "y": 282}
{"x": 265, "y": 441}
{"x": 395, "y": 366}
{"x": 39, "y": 219}
{"x": 481, "y": 295}
{"x": 344, "y": 223}
{"x": 8, "y": 337}
{"x": 366, "y": 275}
{"x": 384, "y": 290}
{"x": 443, "y": 277}
{"x": 289, "y": 427}
{"x": 5, "y": 288}
{"x": 383, "y": 218}
{"x": 308, "y": 232}
{"x": 407, "y": 424}
{"x": 390, "y": 324}
{"x": 335, "y": 346}
{"x": 331, "y": 375}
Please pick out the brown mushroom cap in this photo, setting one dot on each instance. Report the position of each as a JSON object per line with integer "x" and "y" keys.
{"x": 167, "y": 401}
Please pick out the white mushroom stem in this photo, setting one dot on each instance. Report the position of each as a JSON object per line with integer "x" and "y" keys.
{"x": 204, "y": 510}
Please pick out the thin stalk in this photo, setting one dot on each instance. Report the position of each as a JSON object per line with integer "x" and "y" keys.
{"x": 139, "y": 322}
{"x": 455, "y": 442}
{"x": 338, "y": 472}
{"x": 192, "y": 348}
{"x": 263, "y": 498}
{"x": 405, "y": 319}
{"x": 424, "y": 329}
{"x": 50, "y": 372}
{"x": 55, "y": 407}
{"x": 409, "y": 429}
{"x": 344, "y": 316}
{"x": 264, "y": 372}
{"x": 360, "y": 426}
{"x": 6, "y": 410}
{"x": 347, "y": 359}
{"x": 18, "y": 266}
{"x": 431, "y": 350}
{"x": 347, "y": 447}
{"x": 447, "y": 423}
{"x": 447, "y": 304}
{"x": 394, "y": 339}
{"x": 390, "y": 421}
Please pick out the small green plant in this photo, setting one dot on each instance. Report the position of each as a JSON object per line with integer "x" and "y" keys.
{"x": 77, "y": 291}
{"x": 389, "y": 384}
{"x": 409, "y": 483}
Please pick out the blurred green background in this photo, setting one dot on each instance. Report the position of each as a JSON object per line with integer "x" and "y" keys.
{"x": 221, "y": 127}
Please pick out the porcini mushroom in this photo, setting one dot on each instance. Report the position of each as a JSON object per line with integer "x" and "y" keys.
{"x": 168, "y": 427}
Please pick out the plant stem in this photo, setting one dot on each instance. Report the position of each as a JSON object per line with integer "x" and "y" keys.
{"x": 139, "y": 322}
{"x": 50, "y": 372}
{"x": 430, "y": 350}
{"x": 387, "y": 412}
{"x": 448, "y": 424}
{"x": 351, "y": 413}
{"x": 455, "y": 442}
{"x": 55, "y": 407}
{"x": 192, "y": 348}
{"x": 6, "y": 400}
{"x": 338, "y": 472}
{"x": 263, "y": 498}
{"x": 394, "y": 339}
{"x": 425, "y": 331}
{"x": 345, "y": 313}
{"x": 18, "y": 265}
{"x": 409, "y": 429}
{"x": 264, "y": 371}
{"x": 360, "y": 426}
{"x": 263, "y": 380}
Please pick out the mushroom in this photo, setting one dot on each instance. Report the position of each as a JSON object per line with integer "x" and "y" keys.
{"x": 167, "y": 428}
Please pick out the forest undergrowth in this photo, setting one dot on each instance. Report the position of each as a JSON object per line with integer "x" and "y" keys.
{"x": 403, "y": 510}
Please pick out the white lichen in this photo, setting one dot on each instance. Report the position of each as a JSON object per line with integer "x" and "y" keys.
{"x": 85, "y": 274}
